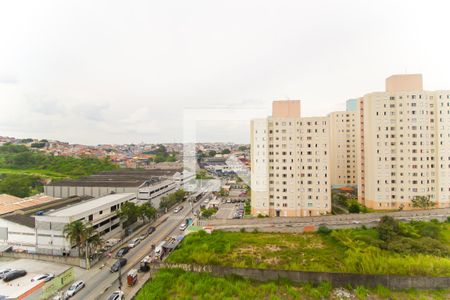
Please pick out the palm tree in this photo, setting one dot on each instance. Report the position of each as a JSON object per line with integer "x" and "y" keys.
{"x": 75, "y": 232}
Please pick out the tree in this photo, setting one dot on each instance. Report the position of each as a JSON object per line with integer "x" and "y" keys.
{"x": 146, "y": 212}
{"x": 128, "y": 213}
{"x": 388, "y": 228}
{"x": 76, "y": 233}
{"x": 212, "y": 153}
{"x": 226, "y": 151}
{"x": 422, "y": 202}
{"x": 243, "y": 148}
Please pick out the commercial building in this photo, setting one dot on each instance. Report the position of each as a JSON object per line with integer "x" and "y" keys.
{"x": 17, "y": 228}
{"x": 403, "y": 144}
{"x": 100, "y": 212}
{"x": 290, "y": 174}
{"x": 120, "y": 181}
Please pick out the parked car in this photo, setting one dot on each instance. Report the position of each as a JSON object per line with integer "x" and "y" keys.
{"x": 75, "y": 288}
{"x": 43, "y": 277}
{"x": 117, "y": 295}
{"x": 355, "y": 222}
{"x": 134, "y": 242}
{"x": 118, "y": 264}
{"x": 13, "y": 274}
{"x": 122, "y": 251}
{"x": 178, "y": 209}
{"x": 150, "y": 230}
{"x": 183, "y": 226}
{"x": 3, "y": 272}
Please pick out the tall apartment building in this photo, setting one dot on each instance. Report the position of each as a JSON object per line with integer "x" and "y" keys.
{"x": 290, "y": 171}
{"x": 403, "y": 144}
{"x": 343, "y": 148}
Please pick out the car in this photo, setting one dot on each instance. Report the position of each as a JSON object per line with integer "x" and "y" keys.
{"x": 355, "y": 222}
{"x": 178, "y": 209}
{"x": 3, "y": 272}
{"x": 134, "y": 243}
{"x": 143, "y": 237}
{"x": 75, "y": 288}
{"x": 150, "y": 230}
{"x": 228, "y": 200}
{"x": 13, "y": 274}
{"x": 122, "y": 251}
{"x": 183, "y": 226}
{"x": 118, "y": 264}
{"x": 43, "y": 277}
{"x": 117, "y": 295}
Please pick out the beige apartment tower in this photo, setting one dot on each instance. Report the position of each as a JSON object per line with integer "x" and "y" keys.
{"x": 403, "y": 144}
{"x": 290, "y": 171}
{"x": 343, "y": 132}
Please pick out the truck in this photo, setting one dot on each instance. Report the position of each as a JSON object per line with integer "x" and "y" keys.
{"x": 132, "y": 277}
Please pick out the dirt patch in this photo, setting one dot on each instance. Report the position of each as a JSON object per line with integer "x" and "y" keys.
{"x": 272, "y": 248}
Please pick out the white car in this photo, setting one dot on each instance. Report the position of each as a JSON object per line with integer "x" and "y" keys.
{"x": 183, "y": 226}
{"x": 3, "y": 272}
{"x": 355, "y": 222}
{"x": 45, "y": 277}
{"x": 134, "y": 243}
{"x": 117, "y": 295}
{"x": 178, "y": 209}
{"x": 75, "y": 288}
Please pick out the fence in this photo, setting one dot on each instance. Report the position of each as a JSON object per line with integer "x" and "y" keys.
{"x": 394, "y": 282}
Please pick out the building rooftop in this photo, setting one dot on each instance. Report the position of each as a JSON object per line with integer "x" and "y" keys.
{"x": 25, "y": 216}
{"x": 88, "y": 205}
{"x": 118, "y": 178}
{"x": 10, "y": 203}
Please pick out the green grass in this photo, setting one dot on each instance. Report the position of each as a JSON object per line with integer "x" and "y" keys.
{"x": 350, "y": 250}
{"x": 178, "y": 284}
{"x": 309, "y": 252}
{"x": 41, "y": 173}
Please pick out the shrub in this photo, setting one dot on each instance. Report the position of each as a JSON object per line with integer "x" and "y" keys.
{"x": 324, "y": 230}
{"x": 388, "y": 228}
{"x": 354, "y": 208}
{"x": 361, "y": 292}
{"x": 242, "y": 229}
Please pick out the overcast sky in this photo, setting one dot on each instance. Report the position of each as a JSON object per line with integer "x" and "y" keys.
{"x": 124, "y": 71}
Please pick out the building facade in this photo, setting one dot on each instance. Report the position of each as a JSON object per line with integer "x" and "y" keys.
{"x": 343, "y": 148}
{"x": 100, "y": 212}
{"x": 290, "y": 174}
{"x": 403, "y": 144}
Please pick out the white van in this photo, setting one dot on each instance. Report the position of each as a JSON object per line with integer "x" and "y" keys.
{"x": 158, "y": 249}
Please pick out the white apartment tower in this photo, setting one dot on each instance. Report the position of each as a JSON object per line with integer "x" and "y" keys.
{"x": 290, "y": 171}
{"x": 403, "y": 144}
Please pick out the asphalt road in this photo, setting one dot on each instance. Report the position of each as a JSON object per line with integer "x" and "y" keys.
{"x": 100, "y": 282}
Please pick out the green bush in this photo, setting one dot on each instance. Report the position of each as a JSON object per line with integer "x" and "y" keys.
{"x": 354, "y": 208}
{"x": 324, "y": 230}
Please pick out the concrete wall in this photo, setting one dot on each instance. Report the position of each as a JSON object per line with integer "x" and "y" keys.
{"x": 393, "y": 282}
{"x": 72, "y": 261}
{"x": 94, "y": 191}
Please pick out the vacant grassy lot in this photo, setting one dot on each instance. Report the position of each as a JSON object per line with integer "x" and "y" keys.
{"x": 178, "y": 284}
{"x": 352, "y": 250}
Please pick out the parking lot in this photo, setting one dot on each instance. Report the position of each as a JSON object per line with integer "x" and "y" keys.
{"x": 228, "y": 210}
{"x": 17, "y": 287}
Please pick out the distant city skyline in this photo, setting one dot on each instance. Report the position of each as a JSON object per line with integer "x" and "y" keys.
{"x": 111, "y": 73}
